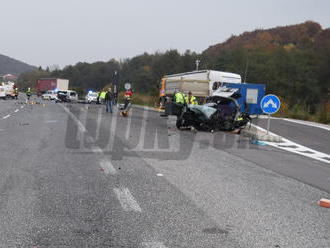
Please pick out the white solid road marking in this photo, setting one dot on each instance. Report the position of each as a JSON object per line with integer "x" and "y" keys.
{"x": 308, "y": 123}
{"x": 108, "y": 167}
{"x": 16, "y": 110}
{"x": 293, "y": 147}
{"x": 74, "y": 118}
{"x": 5, "y": 117}
{"x": 301, "y": 122}
{"x": 153, "y": 245}
{"x": 126, "y": 200}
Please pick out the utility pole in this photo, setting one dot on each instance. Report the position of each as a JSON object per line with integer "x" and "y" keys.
{"x": 197, "y": 64}
{"x": 246, "y": 70}
{"x": 116, "y": 84}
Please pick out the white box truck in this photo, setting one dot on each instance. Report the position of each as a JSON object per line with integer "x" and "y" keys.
{"x": 200, "y": 83}
{"x": 46, "y": 84}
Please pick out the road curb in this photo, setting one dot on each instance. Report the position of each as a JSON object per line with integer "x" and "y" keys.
{"x": 257, "y": 133}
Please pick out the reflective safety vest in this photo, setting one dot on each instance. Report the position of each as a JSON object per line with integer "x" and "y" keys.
{"x": 179, "y": 98}
{"x": 102, "y": 95}
{"x": 192, "y": 99}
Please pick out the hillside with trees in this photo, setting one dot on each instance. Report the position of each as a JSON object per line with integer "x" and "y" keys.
{"x": 13, "y": 66}
{"x": 293, "y": 61}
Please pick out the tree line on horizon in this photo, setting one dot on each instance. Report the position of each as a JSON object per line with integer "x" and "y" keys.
{"x": 298, "y": 72}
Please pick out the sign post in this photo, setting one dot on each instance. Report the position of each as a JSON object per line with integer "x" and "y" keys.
{"x": 268, "y": 124}
{"x": 270, "y": 104}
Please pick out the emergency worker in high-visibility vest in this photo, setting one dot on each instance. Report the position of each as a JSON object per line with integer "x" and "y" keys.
{"x": 102, "y": 96}
{"x": 28, "y": 93}
{"x": 190, "y": 99}
{"x": 179, "y": 97}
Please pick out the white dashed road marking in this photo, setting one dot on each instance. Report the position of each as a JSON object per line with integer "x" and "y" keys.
{"x": 126, "y": 200}
{"x": 16, "y": 110}
{"x": 107, "y": 167}
{"x": 153, "y": 245}
{"x": 5, "y": 117}
{"x": 22, "y": 107}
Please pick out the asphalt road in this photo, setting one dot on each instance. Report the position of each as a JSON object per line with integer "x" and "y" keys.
{"x": 72, "y": 175}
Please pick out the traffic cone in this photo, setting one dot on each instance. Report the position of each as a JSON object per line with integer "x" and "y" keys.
{"x": 324, "y": 203}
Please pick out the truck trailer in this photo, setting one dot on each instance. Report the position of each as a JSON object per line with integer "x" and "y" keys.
{"x": 201, "y": 83}
{"x": 46, "y": 84}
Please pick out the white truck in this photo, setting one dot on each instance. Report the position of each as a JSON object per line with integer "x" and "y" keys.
{"x": 2, "y": 93}
{"x": 200, "y": 83}
{"x": 46, "y": 84}
{"x": 9, "y": 89}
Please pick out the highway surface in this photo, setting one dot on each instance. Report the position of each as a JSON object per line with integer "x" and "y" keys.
{"x": 72, "y": 175}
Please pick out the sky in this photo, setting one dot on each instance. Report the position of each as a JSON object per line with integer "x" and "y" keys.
{"x": 64, "y": 32}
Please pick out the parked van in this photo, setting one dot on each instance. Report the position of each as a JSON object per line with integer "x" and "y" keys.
{"x": 49, "y": 95}
{"x": 67, "y": 96}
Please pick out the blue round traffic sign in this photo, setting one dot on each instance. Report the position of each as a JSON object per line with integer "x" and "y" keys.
{"x": 270, "y": 104}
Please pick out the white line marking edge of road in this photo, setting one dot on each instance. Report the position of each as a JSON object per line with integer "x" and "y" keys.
{"x": 316, "y": 154}
{"x": 311, "y": 124}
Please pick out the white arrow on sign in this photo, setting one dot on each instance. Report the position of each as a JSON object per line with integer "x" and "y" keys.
{"x": 270, "y": 102}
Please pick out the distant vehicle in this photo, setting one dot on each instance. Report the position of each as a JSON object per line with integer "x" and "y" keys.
{"x": 67, "y": 96}
{"x": 9, "y": 88}
{"x": 91, "y": 97}
{"x": 2, "y": 93}
{"x": 201, "y": 83}
{"x": 46, "y": 84}
{"x": 49, "y": 95}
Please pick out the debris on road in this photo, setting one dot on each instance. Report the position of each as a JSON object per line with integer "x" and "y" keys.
{"x": 258, "y": 142}
{"x": 324, "y": 203}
